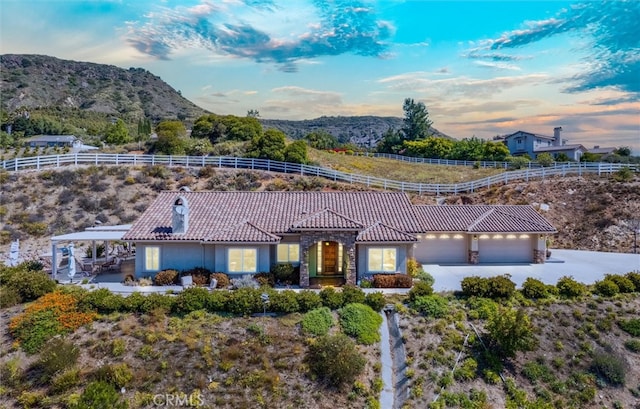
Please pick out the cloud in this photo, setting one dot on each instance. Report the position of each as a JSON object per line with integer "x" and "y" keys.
{"x": 497, "y": 65}
{"x": 613, "y": 42}
{"x": 249, "y": 29}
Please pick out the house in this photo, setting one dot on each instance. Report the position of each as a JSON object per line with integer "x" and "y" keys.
{"x": 526, "y": 143}
{"x": 350, "y": 235}
{"x": 50, "y": 141}
{"x": 597, "y": 150}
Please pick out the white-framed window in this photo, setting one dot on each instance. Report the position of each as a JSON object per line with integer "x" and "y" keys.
{"x": 152, "y": 258}
{"x": 242, "y": 260}
{"x": 288, "y": 253}
{"x": 382, "y": 259}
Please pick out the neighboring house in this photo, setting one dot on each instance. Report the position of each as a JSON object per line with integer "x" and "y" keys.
{"x": 597, "y": 150}
{"x": 350, "y": 235}
{"x": 50, "y": 141}
{"x": 527, "y": 143}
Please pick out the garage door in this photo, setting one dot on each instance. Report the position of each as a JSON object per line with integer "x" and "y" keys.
{"x": 441, "y": 249}
{"x": 505, "y": 248}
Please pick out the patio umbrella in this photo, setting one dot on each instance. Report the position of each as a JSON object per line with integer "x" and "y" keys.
{"x": 14, "y": 253}
{"x": 72, "y": 263}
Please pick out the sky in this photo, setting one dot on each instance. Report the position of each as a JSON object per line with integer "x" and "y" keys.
{"x": 482, "y": 68}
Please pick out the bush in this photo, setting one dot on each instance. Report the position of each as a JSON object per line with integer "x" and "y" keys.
{"x": 246, "y": 281}
{"x": 218, "y": 301}
{"x": 31, "y": 285}
{"x": 285, "y": 301}
{"x": 56, "y": 356}
{"x": 376, "y": 301}
{"x": 384, "y": 280}
{"x": 102, "y": 301}
{"x": 265, "y": 279}
{"x": 474, "y": 286}
{"x": 282, "y": 272}
{"x": 414, "y": 268}
{"x": 631, "y": 326}
{"x": 317, "y": 322}
{"x": 360, "y": 322}
{"x": 606, "y": 288}
{"x": 482, "y": 308}
{"x": 634, "y": 278}
{"x": 609, "y": 367}
{"x": 403, "y": 281}
{"x": 624, "y": 283}
{"x": 335, "y": 360}
{"x": 118, "y": 375}
{"x": 166, "y": 277}
{"x": 245, "y": 301}
{"x": 633, "y": 345}
{"x": 309, "y": 300}
{"x": 352, "y": 294}
{"x": 534, "y": 289}
{"x": 100, "y": 395}
{"x": 434, "y": 305}
{"x": 199, "y": 275}
{"x": 331, "y": 298}
{"x": 191, "y": 299}
{"x": 491, "y": 287}
{"x": 9, "y": 297}
{"x": 510, "y": 331}
{"x": 63, "y": 381}
{"x": 466, "y": 371}
{"x": 222, "y": 279}
{"x": 570, "y": 288}
{"x": 420, "y": 289}
{"x": 156, "y": 302}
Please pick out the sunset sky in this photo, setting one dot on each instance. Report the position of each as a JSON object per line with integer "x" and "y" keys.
{"x": 481, "y": 68}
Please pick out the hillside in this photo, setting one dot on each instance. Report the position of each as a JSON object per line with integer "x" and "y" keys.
{"x": 365, "y": 131}
{"x": 35, "y": 81}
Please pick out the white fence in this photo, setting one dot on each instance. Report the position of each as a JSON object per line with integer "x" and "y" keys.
{"x": 77, "y": 159}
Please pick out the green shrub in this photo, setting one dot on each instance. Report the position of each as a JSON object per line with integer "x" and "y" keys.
{"x": 414, "y": 268}
{"x": 360, "y": 322}
{"x": 633, "y": 345}
{"x": 285, "y": 301}
{"x": 222, "y": 279}
{"x": 434, "y": 305}
{"x": 534, "y": 289}
{"x": 482, "y": 308}
{"x": 535, "y": 371}
{"x": 309, "y": 300}
{"x": 474, "y": 286}
{"x": 375, "y": 300}
{"x": 191, "y": 299}
{"x": 352, "y": 294}
{"x": 609, "y": 367}
{"x": 9, "y": 297}
{"x": 102, "y": 301}
{"x": 133, "y": 302}
{"x": 632, "y": 326}
{"x": 282, "y": 272}
{"x": 331, "y": 298}
{"x": 118, "y": 347}
{"x": 570, "y": 288}
{"x": 624, "y": 283}
{"x": 100, "y": 395}
{"x": 317, "y": 322}
{"x": 166, "y": 277}
{"x": 335, "y": 360}
{"x": 511, "y": 331}
{"x": 245, "y": 301}
{"x": 156, "y": 301}
{"x": 420, "y": 289}
{"x": 466, "y": 371}
{"x": 56, "y": 356}
{"x": 634, "y": 278}
{"x": 265, "y": 279}
{"x": 218, "y": 301}
{"x": 63, "y": 381}
{"x": 606, "y": 288}
{"x": 491, "y": 287}
{"x": 31, "y": 285}
{"x": 118, "y": 375}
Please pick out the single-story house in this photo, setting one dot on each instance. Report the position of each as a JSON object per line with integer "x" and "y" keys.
{"x": 350, "y": 235}
{"x": 574, "y": 151}
{"x": 50, "y": 141}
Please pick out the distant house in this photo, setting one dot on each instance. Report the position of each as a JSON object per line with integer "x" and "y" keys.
{"x": 51, "y": 141}
{"x": 344, "y": 235}
{"x": 597, "y": 150}
{"x": 531, "y": 144}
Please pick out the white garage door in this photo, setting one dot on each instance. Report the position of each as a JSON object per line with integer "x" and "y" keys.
{"x": 441, "y": 249}
{"x": 502, "y": 248}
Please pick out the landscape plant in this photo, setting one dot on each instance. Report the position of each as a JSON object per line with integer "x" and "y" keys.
{"x": 335, "y": 360}
{"x": 609, "y": 367}
{"x": 361, "y": 322}
{"x": 510, "y": 331}
{"x": 317, "y": 322}
{"x": 434, "y": 306}
{"x": 570, "y": 288}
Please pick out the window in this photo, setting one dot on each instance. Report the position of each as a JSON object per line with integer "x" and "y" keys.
{"x": 152, "y": 258}
{"x": 382, "y": 259}
{"x": 288, "y": 253}
{"x": 519, "y": 141}
{"x": 243, "y": 260}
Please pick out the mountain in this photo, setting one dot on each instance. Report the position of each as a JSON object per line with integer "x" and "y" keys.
{"x": 365, "y": 131}
{"x": 37, "y": 81}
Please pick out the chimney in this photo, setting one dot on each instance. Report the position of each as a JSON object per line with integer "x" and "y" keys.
{"x": 556, "y": 136}
{"x": 180, "y": 216}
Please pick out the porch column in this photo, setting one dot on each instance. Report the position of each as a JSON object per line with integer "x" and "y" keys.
{"x": 473, "y": 250}
{"x": 305, "y": 245}
{"x": 351, "y": 276}
{"x": 54, "y": 260}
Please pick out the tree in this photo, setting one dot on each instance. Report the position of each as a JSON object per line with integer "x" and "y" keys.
{"x": 623, "y": 151}
{"x": 468, "y": 149}
{"x": 270, "y": 145}
{"x": 562, "y": 157}
{"x": 253, "y": 113}
{"x": 497, "y": 151}
{"x": 171, "y": 128}
{"x": 144, "y": 130}
{"x": 322, "y": 140}
{"x": 431, "y": 147}
{"x": 116, "y": 133}
{"x": 391, "y": 142}
{"x": 545, "y": 159}
{"x": 296, "y": 152}
{"x": 416, "y": 121}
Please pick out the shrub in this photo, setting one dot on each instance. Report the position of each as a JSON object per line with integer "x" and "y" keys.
{"x": 222, "y": 279}
{"x": 474, "y": 286}
{"x": 166, "y": 277}
{"x": 632, "y": 326}
{"x": 191, "y": 299}
{"x": 102, "y": 300}
{"x": 31, "y": 285}
{"x": 331, "y": 298}
{"x": 100, "y": 395}
{"x": 570, "y": 288}
{"x": 403, "y": 281}
{"x": 282, "y": 272}
{"x": 56, "y": 356}
{"x": 491, "y": 287}
{"x": 317, "y": 322}
{"x": 384, "y": 280}
{"x": 335, "y": 360}
{"x": 218, "y": 301}
{"x": 510, "y": 331}
{"x": 199, "y": 275}
{"x": 157, "y": 302}
{"x": 420, "y": 289}
{"x": 466, "y": 371}
{"x": 534, "y": 289}
{"x": 63, "y": 381}
{"x": 624, "y": 283}
{"x": 283, "y": 301}
{"x": 609, "y": 367}
{"x": 9, "y": 297}
{"x": 118, "y": 375}
{"x": 246, "y": 281}
{"x": 434, "y": 305}
{"x": 352, "y": 294}
{"x": 376, "y": 301}
{"x": 482, "y": 308}
{"x": 633, "y": 345}
{"x": 360, "y": 322}
{"x": 309, "y": 300}
{"x": 414, "y": 268}
{"x": 606, "y": 288}
{"x": 634, "y": 278}
{"x": 265, "y": 279}
{"x": 245, "y": 301}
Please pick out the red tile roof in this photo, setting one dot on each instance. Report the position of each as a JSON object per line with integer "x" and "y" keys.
{"x": 379, "y": 232}
{"x": 327, "y": 219}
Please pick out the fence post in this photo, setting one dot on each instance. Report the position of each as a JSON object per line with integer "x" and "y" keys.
{"x": 58, "y": 161}
{"x": 38, "y": 162}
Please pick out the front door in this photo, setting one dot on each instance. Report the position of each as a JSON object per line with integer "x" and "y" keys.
{"x": 330, "y": 258}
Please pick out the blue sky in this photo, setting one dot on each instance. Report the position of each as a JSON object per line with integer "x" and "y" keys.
{"x": 481, "y": 68}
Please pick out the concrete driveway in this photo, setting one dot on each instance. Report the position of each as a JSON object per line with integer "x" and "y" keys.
{"x": 585, "y": 266}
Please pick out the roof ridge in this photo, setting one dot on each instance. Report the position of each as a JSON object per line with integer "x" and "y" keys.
{"x": 521, "y": 218}
{"x": 481, "y": 218}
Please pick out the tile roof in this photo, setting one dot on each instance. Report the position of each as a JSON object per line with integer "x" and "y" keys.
{"x": 379, "y": 232}
{"x": 560, "y": 148}
{"x": 482, "y": 219}
{"x": 327, "y": 219}
{"x": 243, "y": 232}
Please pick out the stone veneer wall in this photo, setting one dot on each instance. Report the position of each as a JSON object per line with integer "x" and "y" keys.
{"x": 539, "y": 256}
{"x": 346, "y": 238}
{"x": 474, "y": 257}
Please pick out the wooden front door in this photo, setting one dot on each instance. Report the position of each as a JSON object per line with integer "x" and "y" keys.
{"x": 329, "y": 258}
